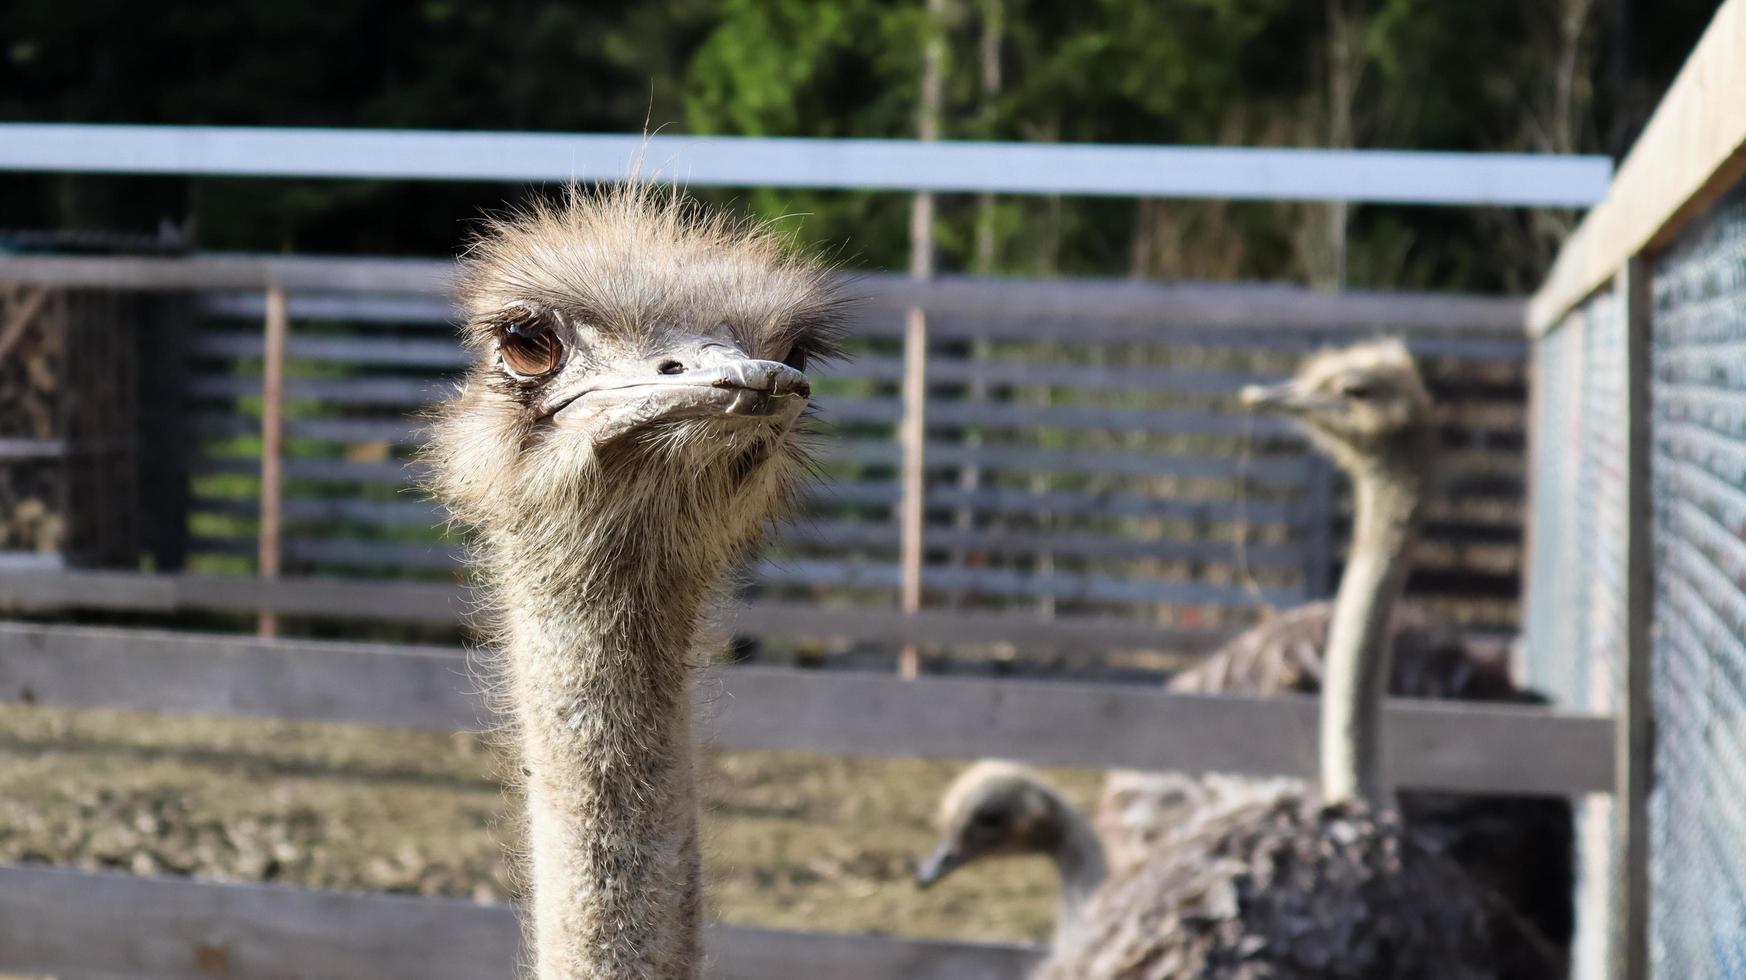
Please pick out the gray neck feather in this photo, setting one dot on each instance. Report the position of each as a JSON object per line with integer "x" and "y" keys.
{"x": 1079, "y": 858}
{"x": 600, "y": 683}
{"x": 1355, "y": 681}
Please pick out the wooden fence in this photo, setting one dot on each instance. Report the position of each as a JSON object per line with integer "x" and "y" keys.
{"x": 106, "y": 925}
{"x": 114, "y": 926}
{"x": 1085, "y": 488}
{"x": 1083, "y": 461}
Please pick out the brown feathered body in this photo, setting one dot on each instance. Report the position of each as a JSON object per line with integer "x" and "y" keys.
{"x": 1283, "y": 889}
{"x": 1523, "y": 847}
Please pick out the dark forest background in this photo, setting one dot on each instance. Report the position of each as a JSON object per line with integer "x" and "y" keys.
{"x": 1501, "y": 75}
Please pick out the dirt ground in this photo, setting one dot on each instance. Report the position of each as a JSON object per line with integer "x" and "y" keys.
{"x": 791, "y": 839}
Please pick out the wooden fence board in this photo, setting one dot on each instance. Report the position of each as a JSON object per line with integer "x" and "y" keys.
{"x": 110, "y": 925}
{"x": 1436, "y": 745}
{"x": 438, "y": 603}
{"x": 1225, "y": 306}
{"x": 835, "y": 535}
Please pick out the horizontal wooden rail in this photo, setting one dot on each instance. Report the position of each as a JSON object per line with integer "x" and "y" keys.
{"x": 1239, "y": 312}
{"x": 438, "y": 603}
{"x": 1690, "y": 153}
{"x": 1072, "y": 301}
{"x": 110, "y": 926}
{"x": 875, "y": 536}
{"x": 1433, "y": 745}
{"x": 867, "y": 493}
{"x": 1226, "y": 172}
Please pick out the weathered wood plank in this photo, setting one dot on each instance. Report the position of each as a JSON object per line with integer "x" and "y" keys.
{"x": 876, "y": 493}
{"x": 437, "y": 603}
{"x": 272, "y": 492}
{"x": 109, "y": 926}
{"x": 826, "y": 535}
{"x": 1439, "y": 745}
{"x": 1059, "y": 584}
{"x": 880, "y": 295}
{"x": 1635, "y": 702}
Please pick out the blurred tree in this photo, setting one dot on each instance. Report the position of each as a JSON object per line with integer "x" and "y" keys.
{"x": 1480, "y": 75}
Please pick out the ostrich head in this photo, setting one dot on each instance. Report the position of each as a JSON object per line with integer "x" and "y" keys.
{"x": 638, "y": 376}
{"x": 1360, "y": 404}
{"x": 994, "y": 809}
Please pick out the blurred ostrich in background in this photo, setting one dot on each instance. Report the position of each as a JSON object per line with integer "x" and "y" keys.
{"x": 1369, "y": 411}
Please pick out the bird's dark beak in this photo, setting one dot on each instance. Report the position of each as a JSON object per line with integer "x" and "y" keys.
{"x": 1287, "y": 397}
{"x": 696, "y": 381}
{"x": 945, "y": 859}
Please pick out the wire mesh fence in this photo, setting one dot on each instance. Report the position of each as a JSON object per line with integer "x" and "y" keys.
{"x": 1576, "y": 611}
{"x": 1698, "y": 465}
{"x": 1574, "y": 620}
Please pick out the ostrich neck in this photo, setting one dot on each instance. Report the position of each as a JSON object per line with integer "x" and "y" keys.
{"x": 1078, "y": 856}
{"x": 1359, "y": 655}
{"x": 600, "y": 678}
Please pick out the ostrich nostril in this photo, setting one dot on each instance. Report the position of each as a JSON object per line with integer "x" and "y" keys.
{"x": 670, "y": 366}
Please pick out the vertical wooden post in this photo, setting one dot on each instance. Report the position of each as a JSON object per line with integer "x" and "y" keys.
{"x": 272, "y": 445}
{"x": 913, "y": 430}
{"x": 1635, "y": 745}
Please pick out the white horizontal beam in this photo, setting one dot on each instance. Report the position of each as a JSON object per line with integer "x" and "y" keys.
{"x": 1236, "y": 173}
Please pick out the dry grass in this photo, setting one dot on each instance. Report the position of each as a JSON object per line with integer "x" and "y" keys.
{"x": 792, "y": 839}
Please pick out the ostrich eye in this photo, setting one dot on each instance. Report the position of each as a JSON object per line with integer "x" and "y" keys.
{"x": 529, "y": 347}
{"x": 987, "y": 819}
{"x": 796, "y": 358}
{"x": 1357, "y": 390}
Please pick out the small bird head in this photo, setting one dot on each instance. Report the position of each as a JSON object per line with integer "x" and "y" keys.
{"x": 1364, "y": 399}
{"x": 993, "y": 809}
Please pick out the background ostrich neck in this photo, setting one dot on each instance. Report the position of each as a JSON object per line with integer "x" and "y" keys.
{"x": 1359, "y": 657}
{"x": 1079, "y": 858}
{"x": 600, "y": 679}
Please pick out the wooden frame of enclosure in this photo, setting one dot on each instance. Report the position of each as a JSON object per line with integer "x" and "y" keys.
{"x": 244, "y": 927}
{"x": 109, "y": 926}
{"x": 285, "y": 288}
{"x": 1690, "y": 153}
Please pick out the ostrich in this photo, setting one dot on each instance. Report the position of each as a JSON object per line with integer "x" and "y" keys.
{"x": 1520, "y": 846}
{"x": 1292, "y": 886}
{"x": 998, "y": 809}
{"x": 627, "y": 428}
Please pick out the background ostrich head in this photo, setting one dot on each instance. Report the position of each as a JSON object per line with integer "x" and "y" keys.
{"x": 1360, "y": 404}
{"x": 994, "y": 809}
{"x": 638, "y": 377}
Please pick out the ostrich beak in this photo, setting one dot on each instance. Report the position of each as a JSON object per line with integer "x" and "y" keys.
{"x": 945, "y": 859}
{"x": 1290, "y": 397}
{"x": 703, "y": 382}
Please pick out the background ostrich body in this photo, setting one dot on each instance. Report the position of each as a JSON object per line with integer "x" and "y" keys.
{"x": 1289, "y": 887}
{"x": 1521, "y": 846}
